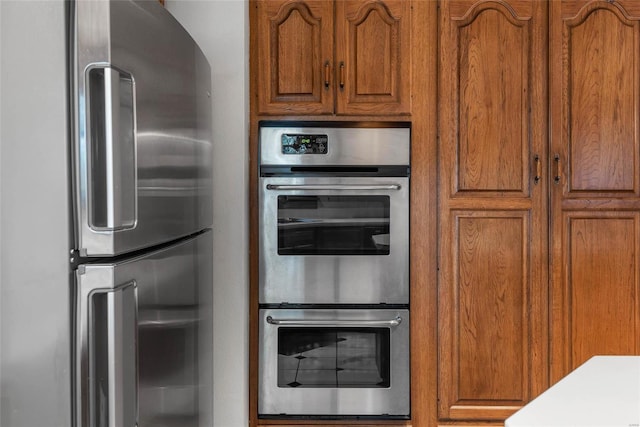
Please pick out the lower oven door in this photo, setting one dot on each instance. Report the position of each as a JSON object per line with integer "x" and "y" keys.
{"x": 326, "y": 363}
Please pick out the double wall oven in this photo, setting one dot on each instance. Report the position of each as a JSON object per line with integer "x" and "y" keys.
{"x": 334, "y": 270}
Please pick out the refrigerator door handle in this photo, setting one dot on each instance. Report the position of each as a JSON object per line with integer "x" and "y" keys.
{"x": 111, "y": 154}
{"x": 107, "y": 355}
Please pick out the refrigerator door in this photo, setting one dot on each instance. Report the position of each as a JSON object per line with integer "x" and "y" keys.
{"x": 142, "y": 145}
{"x": 144, "y": 339}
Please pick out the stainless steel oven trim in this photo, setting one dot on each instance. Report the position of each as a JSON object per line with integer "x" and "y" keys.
{"x": 334, "y": 323}
{"x": 335, "y": 187}
{"x": 334, "y": 279}
{"x": 378, "y": 402}
{"x": 346, "y": 146}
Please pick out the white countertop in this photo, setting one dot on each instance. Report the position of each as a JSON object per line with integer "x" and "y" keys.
{"x": 603, "y": 392}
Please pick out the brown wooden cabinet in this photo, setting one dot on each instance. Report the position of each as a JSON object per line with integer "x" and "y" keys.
{"x": 493, "y": 277}
{"x": 595, "y": 145}
{"x": 539, "y": 250}
{"x": 333, "y": 57}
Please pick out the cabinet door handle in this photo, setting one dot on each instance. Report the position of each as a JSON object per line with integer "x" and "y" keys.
{"x": 341, "y": 75}
{"x": 327, "y": 74}
{"x": 536, "y": 159}
{"x": 557, "y": 175}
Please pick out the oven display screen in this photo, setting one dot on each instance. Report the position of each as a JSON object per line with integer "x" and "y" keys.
{"x": 304, "y": 144}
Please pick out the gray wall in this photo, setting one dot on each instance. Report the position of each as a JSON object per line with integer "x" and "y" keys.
{"x": 221, "y": 29}
{"x": 35, "y": 386}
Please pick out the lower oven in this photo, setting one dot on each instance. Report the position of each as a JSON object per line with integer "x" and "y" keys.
{"x": 334, "y": 363}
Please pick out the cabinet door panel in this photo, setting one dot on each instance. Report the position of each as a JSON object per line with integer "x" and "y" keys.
{"x": 603, "y": 102}
{"x": 493, "y": 222}
{"x": 603, "y": 282}
{"x": 493, "y": 150}
{"x": 595, "y": 203}
{"x": 295, "y": 50}
{"x": 491, "y": 260}
{"x": 373, "y": 57}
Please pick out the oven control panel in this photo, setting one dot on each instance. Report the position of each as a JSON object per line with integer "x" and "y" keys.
{"x": 304, "y": 144}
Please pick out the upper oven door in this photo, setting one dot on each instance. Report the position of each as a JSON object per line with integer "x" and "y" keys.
{"x": 334, "y": 240}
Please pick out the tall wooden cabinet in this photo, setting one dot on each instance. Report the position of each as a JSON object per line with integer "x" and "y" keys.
{"x": 334, "y": 57}
{"x": 539, "y": 190}
{"x": 595, "y": 146}
{"x": 493, "y": 275}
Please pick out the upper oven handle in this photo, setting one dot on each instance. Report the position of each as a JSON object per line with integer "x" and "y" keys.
{"x": 366, "y": 187}
{"x": 334, "y": 323}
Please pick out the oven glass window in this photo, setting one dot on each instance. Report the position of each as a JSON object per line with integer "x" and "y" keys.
{"x": 334, "y": 357}
{"x": 333, "y": 225}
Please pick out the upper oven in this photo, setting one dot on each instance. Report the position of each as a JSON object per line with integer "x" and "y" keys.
{"x": 334, "y": 213}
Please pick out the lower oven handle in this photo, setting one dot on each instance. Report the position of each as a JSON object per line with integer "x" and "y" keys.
{"x": 366, "y": 187}
{"x": 334, "y": 323}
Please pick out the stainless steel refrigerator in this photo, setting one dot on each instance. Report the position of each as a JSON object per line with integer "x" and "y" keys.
{"x": 105, "y": 214}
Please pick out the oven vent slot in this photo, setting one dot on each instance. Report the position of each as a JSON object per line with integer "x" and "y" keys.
{"x": 365, "y": 171}
{"x": 334, "y": 169}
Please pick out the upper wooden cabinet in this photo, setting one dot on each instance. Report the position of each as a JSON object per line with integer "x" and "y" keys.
{"x": 326, "y": 57}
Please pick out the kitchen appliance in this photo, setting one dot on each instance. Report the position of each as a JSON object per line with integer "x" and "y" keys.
{"x": 334, "y": 213}
{"x": 334, "y": 271}
{"x": 106, "y": 208}
{"x": 334, "y": 363}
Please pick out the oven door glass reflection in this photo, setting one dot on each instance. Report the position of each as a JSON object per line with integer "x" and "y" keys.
{"x": 334, "y": 357}
{"x": 333, "y": 225}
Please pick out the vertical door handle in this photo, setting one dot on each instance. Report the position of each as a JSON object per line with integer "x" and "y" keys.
{"x": 111, "y": 180}
{"x": 327, "y": 74}
{"x": 558, "y": 170}
{"x": 341, "y": 75}
{"x": 536, "y": 159}
{"x": 106, "y": 355}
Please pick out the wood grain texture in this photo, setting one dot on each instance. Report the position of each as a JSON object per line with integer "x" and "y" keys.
{"x": 295, "y": 38}
{"x": 493, "y": 92}
{"x": 595, "y": 302}
{"x": 596, "y": 311}
{"x": 491, "y": 258}
{"x": 603, "y": 264}
{"x": 325, "y": 57}
{"x": 493, "y": 247}
{"x": 424, "y": 214}
{"x": 373, "y": 47}
{"x": 294, "y": 45}
{"x": 603, "y": 104}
